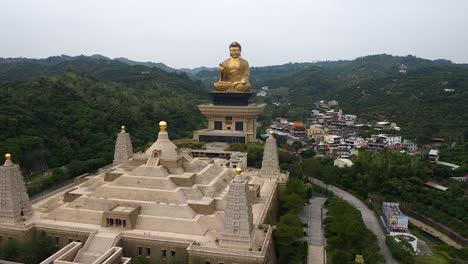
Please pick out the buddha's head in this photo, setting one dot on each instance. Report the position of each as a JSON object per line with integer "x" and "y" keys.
{"x": 235, "y": 50}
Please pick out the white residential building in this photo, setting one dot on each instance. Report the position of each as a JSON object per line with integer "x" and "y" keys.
{"x": 355, "y": 141}
{"x": 389, "y": 140}
{"x": 332, "y": 139}
{"x": 409, "y": 145}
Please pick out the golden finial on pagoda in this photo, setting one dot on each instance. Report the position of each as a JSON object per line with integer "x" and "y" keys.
{"x": 123, "y": 129}
{"x": 8, "y": 156}
{"x": 162, "y": 126}
{"x": 238, "y": 171}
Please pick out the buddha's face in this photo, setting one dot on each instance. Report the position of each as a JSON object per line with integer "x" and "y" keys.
{"x": 235, "y": 52}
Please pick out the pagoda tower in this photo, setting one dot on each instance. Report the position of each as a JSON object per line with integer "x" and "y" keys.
{"x": 14, "y": 200}
{"x": 123, "y": 147}
{"x": 238, "y": 218}
{"x": 270, "y": 164}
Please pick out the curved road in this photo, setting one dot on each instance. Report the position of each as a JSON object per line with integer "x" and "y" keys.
{"x": 370, "y": 220}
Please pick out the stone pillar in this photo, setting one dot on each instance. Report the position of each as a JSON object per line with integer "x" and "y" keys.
{"x": 270, "y": 163}
{"x": 14, "y": 200}
{"x": 123, "y": 147}
{"x": 238, "y": 218}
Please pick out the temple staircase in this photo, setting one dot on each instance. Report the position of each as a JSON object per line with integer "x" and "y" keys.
{"x": 96, "y": 246}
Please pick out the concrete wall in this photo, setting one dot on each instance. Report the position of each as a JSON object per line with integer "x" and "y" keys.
{"x": 130, "y": 246}
{"x": 17, "y": 235}
{"x": 62, "y": 236}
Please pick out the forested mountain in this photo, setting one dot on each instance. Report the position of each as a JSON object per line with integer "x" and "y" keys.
{"x": 103, "y": 68}
{"x": 374, "y": 88}
{"x": 150, "y": 64}
{"x": 80, "y": 102}
{"x": 64, "y": 110}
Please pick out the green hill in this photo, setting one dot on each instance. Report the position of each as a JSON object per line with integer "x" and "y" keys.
{"x": 373, "y": 88}
{"x": 64, "y": 110}
{"x": 100, "y": 67}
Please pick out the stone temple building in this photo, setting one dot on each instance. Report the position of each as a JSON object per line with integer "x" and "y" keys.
{"x": 167, "y": 204}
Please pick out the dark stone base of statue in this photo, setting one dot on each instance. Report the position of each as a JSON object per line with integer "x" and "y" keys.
{"x": 231, "y": 99}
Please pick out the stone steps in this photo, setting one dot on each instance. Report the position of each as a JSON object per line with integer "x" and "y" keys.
{"x": 316, "y": 255}
{"x": 153, "y": 162}
{"x": 99, "y": 244}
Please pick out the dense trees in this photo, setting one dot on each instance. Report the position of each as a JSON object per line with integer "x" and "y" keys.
{"x": 29, "y": 252}
{"x": 289, "y": 231}
{"x": 457, "y": 154}
{"x": 254, "y": 153}
{"x": 73, "y": 119}
{"x": 398, "y": 177}
{"x": 346, "y": 234}
{"x": 402, "y": 250}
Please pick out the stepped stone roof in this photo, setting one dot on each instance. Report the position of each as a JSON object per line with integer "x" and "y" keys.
{"x": 173, "y": 195}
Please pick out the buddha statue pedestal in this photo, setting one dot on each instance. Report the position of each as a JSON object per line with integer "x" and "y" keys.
{"x": 232, "y": 99}
{"x": 229, "y": 123}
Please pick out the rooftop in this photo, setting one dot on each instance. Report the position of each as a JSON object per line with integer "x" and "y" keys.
{"x": 174, "y": 197}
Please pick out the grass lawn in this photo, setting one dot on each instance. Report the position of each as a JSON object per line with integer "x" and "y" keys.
{"x": 434, "y": 259}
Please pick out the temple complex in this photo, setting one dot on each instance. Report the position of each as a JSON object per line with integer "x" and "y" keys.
{"x": 166, "y": 203}
{"x": 232, "y": 117}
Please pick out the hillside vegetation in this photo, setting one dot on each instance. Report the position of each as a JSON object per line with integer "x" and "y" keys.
{"x": 399, "y": 177}
{"x": 373, "y": 88}
{"x": 63, "y": 111}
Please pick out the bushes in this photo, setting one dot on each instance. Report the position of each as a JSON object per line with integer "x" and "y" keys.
{"x": 40, "y": 183}
{"x": 402, "y": 250}
{"x": 289, "y": 230}
{"x": 397, "y": 177}
{"x": 287, "y": 236}
{"x": 254, "y": 153}
{"x": 347, "y": 236}
{"x": 189, "y": 144}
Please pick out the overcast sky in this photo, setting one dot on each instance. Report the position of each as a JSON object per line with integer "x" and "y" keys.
{"x": 193, "y": 33}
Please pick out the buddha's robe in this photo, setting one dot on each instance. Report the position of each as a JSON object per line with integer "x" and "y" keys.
{"x": 235, "y": 70}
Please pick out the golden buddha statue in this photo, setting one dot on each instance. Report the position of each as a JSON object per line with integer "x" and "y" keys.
{"x": 234, "y": 72}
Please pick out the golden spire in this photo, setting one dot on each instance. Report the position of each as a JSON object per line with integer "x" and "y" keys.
{"x": 8, "y": 156}
{"x": 162, "y": 126}
{"x": 123, "y": 129}
{"x": 238, "y": 171}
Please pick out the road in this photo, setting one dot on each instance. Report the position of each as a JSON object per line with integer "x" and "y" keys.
{"x": 312, "y": 215}
{"x": 368, "y": 216}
